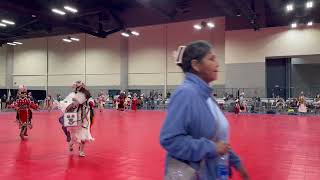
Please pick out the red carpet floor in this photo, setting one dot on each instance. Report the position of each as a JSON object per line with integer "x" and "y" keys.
{"x": 127, "y": 148}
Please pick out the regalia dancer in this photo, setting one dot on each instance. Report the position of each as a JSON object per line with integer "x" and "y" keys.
{"x": 23, "y": 105}
{"x": 302, "y": 104}
{"x": 48, "y": 103}
{"x": 78, "y": 117}
{"x": 121, "y": 101}
{"x": 101, "y": 101}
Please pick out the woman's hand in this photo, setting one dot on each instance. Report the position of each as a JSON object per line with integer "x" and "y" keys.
{"x": 222, "y": 147}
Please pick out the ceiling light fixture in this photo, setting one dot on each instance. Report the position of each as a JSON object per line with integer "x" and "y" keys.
{"x": 197, "y": 27}
{"x": 125, "y": 34}
{"x": 71, "y": 9}
{"x": 309, "y": 4}
{"x": 16, "y": 42}
{"x": 66, "y": 40}
{"x": 289, "y": 7}
{"x": 294, "y": 25}
{"x": 135, "y": 33}
{"x": 210, "y": 25}
{"x": 75, "y": 39}
{"x": 7, "y": 22}
{"x": 3, "y": 25}
{"x": 12, "y": 44}
{"x": 204, "y": 24}
{"x": 310, "y": 23}
{"x": 57, "y": 11}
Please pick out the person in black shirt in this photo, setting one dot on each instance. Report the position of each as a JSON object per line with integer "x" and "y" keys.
{"x": 4, "y": 101}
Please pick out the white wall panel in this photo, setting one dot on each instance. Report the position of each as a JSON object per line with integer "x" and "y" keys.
{"x": 3, "y": 55}
{"x": 66, "y": 58}
{"x": 64, "y": 80}
{"x": 175, "y": 78}
{"x": 103, "y": 55}
{"x": 31, "y": 57}
{"x": 103, "y": 80}
{"x": 145, "y": 79}
{"x": 3, "y": 66}
{"x": 245, "y": 46}
{"x": 30, "y": 80}
{"x": 147, "y": 53}
{"x": 2, "y": 80}
{"x": 218, "y": 42}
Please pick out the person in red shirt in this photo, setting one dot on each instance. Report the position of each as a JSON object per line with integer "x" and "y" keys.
{"x": 23, "y": 105}
{"x": 237, "y": 107}
{"x": 121, "y": 101}
{"x": 134, "y": 102}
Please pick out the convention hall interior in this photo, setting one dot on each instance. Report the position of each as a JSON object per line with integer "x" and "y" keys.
{"x": 160, "y": 89}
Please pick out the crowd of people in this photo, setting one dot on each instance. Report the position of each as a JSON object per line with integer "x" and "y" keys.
{"x": 154, "y": 100}
{"x": 299, "y": 105}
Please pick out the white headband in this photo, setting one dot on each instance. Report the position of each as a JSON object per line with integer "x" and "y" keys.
{"x": 179, "y": 54}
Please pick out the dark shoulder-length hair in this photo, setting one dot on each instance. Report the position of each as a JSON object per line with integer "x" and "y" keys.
{"x": 195, "y": 50}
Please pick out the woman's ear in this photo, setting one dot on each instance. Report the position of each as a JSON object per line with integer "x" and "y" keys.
{"x": 195, "y": 65}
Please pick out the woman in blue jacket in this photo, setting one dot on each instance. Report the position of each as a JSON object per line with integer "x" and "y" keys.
{"x": 195, "y": 131}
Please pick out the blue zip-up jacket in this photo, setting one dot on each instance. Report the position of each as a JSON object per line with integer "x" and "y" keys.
{"x": 189, "y": 127}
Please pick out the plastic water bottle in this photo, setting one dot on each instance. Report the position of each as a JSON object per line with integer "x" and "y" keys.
{"x": 223, "y": 168}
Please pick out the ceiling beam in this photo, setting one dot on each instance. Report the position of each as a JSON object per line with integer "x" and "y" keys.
{"x": 23, "y": 25}
{"x": 12, "y": 7}
{"x": 275, "y": 5}
{"x": 33, "y": 35}
{"x": 147, "y": 4}
{"x": 115, "y": 17}
{"x": 106, "y": 33}
{"x": 91, "y": 12}
{"x": 225, "y": 6}
{"x": 85, "y": 29}
{"x": 247, "y": 12}
{"x": 47, "y": 17}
